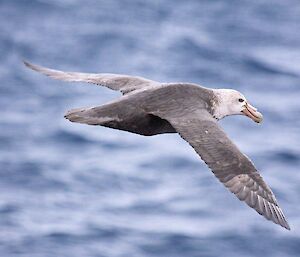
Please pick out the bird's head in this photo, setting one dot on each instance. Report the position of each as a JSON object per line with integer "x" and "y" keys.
{"x": 232, "y": 102}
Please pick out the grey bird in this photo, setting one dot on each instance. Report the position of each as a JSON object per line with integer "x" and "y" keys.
{"x": 150, "y": 108}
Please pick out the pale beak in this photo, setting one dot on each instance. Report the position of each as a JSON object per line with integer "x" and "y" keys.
{"x": 252, "y": 113}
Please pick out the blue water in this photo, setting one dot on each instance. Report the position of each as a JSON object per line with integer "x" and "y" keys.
{"x": 74, "y": 190}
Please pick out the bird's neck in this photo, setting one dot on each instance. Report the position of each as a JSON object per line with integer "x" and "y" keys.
{"x": 220, "y": 103}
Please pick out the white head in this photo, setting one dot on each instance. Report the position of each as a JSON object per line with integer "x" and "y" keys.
{"x": 232, "y": 102}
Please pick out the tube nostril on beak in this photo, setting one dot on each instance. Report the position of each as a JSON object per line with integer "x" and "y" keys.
{"x": 252, "y": 107}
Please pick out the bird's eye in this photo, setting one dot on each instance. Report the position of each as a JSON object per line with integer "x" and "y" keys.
{"x": 241, "y": 100}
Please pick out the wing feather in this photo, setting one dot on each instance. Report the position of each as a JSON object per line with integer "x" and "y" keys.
{"x": 123, "y": 83}
{"x": 230, "y": 166}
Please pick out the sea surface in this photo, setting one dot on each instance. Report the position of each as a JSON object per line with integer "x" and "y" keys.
{"x": 74, "y": 190}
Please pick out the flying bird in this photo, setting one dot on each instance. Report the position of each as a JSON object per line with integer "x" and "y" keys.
{"x": 150, "y": 108}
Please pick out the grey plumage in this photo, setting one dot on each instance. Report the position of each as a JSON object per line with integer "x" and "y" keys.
{"x": 122, "y": 83}
{"x": 150, "y": 108}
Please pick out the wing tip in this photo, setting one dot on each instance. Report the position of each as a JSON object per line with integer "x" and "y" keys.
{"x": 278, "y": 217}
{"x": 32, "y": 66}
{"x": 28, "y": 64}
{"x": 258, "y": 201}
{"x": 284, "y": 222}
{"x": 287, "y": 226}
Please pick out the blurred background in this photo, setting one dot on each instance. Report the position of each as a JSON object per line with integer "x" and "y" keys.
{"x": 74, "y": 190}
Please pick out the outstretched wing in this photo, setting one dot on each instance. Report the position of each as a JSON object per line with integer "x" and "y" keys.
{"x": 229, "y": 165}
{"x": 123, "y": 83}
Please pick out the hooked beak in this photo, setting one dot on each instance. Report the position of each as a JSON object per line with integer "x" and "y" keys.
{"x": 252, "y": 113}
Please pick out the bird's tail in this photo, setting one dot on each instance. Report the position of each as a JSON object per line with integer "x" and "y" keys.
{"x": 87, "y": 116}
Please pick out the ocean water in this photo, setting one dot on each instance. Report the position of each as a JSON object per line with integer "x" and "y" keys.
{"x": 74, "y": 190}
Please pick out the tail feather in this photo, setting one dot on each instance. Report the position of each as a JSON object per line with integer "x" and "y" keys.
{"x": 84, "y": 115}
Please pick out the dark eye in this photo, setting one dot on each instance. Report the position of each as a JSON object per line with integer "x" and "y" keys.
{"x": 241, "y": 100}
